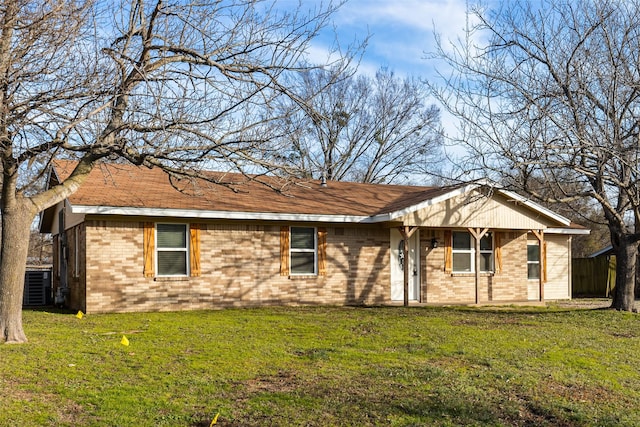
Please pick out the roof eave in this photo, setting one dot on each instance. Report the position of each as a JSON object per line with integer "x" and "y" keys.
{"x": 231, "y": 215}
{"x": 567, "y": 231}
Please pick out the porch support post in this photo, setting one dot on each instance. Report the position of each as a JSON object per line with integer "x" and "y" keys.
{"x": 540, "y": 236}
{"x": 477, "y": 234}
{"x": 406, "y": 232}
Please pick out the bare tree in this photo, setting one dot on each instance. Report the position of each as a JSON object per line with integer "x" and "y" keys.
{"x": 360, "y": 128}
{"x": 179, "y": 85}
{"x": 40, "y": 248}
{"x": 582, "y": 211}
{"x": 550, "y": 91}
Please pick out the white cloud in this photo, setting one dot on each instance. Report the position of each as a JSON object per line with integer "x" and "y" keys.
{"x": 402, "y": 33}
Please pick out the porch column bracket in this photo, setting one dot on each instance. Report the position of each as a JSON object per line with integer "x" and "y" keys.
{"x": 406, "y": 231}
{"x": 478, "y": 233}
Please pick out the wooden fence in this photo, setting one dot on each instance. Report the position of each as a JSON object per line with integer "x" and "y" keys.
{"x": 593, "y": 277}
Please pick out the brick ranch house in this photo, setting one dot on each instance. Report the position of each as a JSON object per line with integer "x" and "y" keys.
{"x": 133, "y": 239}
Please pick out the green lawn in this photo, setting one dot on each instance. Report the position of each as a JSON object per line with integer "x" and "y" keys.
{"x": 325, "y": 366}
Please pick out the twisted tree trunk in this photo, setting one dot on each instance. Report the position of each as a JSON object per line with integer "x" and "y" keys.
{"x": 626, "y": 250}
{"x": 16, "y": 222}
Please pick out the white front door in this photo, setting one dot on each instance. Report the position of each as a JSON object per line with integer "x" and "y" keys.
{"x": 398, "y": 258}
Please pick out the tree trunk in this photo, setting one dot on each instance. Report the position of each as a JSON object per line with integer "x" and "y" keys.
{"x": 626, "y": 251}
{"x": 637, "y": 282}
{"x": 16, "y": 222}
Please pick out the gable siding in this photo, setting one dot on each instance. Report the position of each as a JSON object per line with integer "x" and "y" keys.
{"x": 476, "y": 210}
{"x": 240, "y": 267}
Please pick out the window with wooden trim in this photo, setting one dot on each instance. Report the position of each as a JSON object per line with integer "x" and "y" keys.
{"x": 486, "y": 253}
{"x": 303, "y": 251}
{"x": 463, "y": 252}
{"x": 533, "y": 261}
{"x": 172, "y": 250}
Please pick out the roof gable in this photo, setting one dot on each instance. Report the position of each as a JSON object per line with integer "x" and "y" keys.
{"x": 475, "y": 208}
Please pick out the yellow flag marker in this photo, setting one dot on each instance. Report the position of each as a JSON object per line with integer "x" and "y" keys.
{"x": 215, "y": 420}
{"x": 80, "y": 314}
{"x": 124, "y": 340}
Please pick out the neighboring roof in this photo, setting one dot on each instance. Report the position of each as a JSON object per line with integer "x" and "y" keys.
{"x": 604, "y": 251}
{"x": 125, "y": 189}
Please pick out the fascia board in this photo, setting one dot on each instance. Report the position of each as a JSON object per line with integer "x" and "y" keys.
{"x": 568, "y": 231}
{"x": 202, "y": 214}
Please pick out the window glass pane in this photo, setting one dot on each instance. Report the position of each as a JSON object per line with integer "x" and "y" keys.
{"x": 302, "y": 263}
{"x": 172, "y": 263}
{"x": 461, "y": 262}
{"x": 485, "y": 262}
{"x": 533, "y": 271}
{"x": 302, "y": 238}
{"x": 461, "y": 240}
{"x": 533, "y": 253}
{"x": 172, "y": 235}
{"x": 486, "y": 243}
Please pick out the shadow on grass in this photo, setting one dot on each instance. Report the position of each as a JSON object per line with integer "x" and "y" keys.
{"x": 49, "y": 309}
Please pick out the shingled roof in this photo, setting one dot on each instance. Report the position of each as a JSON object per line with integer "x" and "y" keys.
{"x": 131, "y": 188}
{"x": 126, "y": 189}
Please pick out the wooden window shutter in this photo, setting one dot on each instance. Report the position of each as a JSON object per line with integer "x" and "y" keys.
{"x": 498, "y": 252}
{"x": 543, "y": 258}
{"x": 322, "y": 251}
{"x": 284, "y": 250}
{"x": 148, "y": 248}
{"x": 448, "y": 251}
{"x": 194, "y": 250}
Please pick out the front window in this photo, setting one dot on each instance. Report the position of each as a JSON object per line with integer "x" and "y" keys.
{"x": 463, "y": 251}
{"x": 486, "y": 253}
{"x": 303, "y": 250}
{"x": 533, "y": 261}
{"x": 172, "y": 250}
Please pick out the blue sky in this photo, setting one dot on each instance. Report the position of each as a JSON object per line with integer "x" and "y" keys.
{"x": 401, "y": 35}
{"x": 401, "y": 31}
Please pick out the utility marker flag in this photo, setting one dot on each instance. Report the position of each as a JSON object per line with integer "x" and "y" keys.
{"x": 124, "y": 341}
{"x": 80, "y": 314}
{"x": 215, "y": 420}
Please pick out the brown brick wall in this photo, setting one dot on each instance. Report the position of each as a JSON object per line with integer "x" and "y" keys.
{"x": 240, "y": 266}
{"x": 508, "y": 285}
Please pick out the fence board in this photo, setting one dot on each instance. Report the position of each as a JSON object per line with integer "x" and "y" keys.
{"x": 593, "y": 277}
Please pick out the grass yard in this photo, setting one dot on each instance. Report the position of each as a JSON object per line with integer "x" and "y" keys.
{"x": 325, "y": 366}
